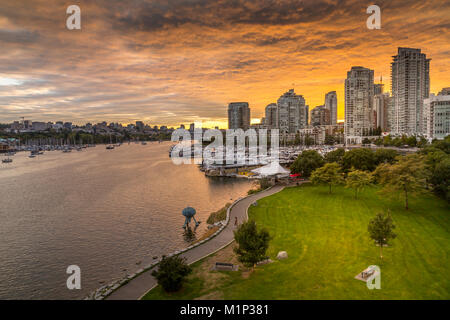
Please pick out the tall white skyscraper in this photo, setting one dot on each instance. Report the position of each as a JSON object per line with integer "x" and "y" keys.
{"x": 359, "y": 90}
{"x": 292, "y": 112}
{"x": 331, "y": 104}
{"x": 410, "y": 85}
{"x": 238, "y": 115}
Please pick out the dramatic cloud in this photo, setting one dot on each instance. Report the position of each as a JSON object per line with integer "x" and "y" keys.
{"x": 179, "y": 61}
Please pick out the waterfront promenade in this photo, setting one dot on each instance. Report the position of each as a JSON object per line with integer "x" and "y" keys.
{"x": 140, "y": 285}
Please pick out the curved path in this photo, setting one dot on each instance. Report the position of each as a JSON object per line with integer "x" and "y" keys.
{"x": 139, "y": 286}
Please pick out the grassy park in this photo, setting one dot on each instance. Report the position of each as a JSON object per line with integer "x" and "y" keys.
{"x": 326, "y": 238}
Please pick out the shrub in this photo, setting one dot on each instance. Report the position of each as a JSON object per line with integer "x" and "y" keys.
{"x": 171, "y": 273}
{"x": 219, "y": 215}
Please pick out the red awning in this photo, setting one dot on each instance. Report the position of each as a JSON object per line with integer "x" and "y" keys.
{"x": 295, "y": 175}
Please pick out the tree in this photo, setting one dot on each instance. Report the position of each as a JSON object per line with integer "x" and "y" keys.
{"x": 387, "y": 141}
{"x": 171, "y": 273}
{"x": 361, "y": 159}
{"x": 440, "y": 178}
{"x": 252, "y": 244}
{"x": 329, "y": 140}
{"x": 366, "y": 141}
{"x": 411, "y": 141}
{"x": 329, "y": 174}
{"x": 385, "y": 156}
{"x": 408, "y": 176}
{"x": 309, "y": 141}
{"x": 381, "y": 230}
{"x": 307, "y": 162}
{"x": 335, "y": 156}
{"x": 357, "y": 180}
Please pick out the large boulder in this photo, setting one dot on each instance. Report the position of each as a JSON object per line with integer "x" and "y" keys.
{"x": 282, "y": 255}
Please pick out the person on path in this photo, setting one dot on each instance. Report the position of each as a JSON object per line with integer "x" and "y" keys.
{"x": 235, "y": 221}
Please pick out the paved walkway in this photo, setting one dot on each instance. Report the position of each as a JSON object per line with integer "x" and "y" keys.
{"x": 140, "y": 285}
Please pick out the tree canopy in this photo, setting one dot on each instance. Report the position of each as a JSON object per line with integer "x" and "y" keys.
{"x": 329, "y": 174}
{"x": 381, "y": 230}
{"x": 357, "y": 180}
{"x": 407, "y": 176}
{"x": 252, "y": 244}
{"x": 360, "y": 159}
{"x": 335, "y": 156}
{"x": 171, "y": 273}
{"x": 385, "y": 156}
{"x": 307, "y": 162}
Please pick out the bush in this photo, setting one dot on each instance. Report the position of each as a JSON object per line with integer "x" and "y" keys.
{"x": 264, "y": 183}
{"x": 219, "y": 215}
{"x": 171, "y": 273}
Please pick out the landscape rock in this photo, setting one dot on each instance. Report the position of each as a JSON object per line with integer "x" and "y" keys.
{"x": 282, "y": 255}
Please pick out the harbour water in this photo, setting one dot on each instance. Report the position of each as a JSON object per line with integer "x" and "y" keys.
{"x": 107, "y": 211}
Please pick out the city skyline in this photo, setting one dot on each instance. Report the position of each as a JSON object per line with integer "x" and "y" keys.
{"x": 165, "y": 65}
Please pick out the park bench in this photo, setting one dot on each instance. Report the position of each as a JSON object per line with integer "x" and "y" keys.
{"x": 222, "y": 266}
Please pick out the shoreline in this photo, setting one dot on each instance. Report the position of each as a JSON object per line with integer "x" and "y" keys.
{"x": 132, "y": 290}
{"x": 106, "y": 290}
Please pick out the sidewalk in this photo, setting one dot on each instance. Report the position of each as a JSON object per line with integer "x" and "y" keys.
{"x": 140, "y": 285}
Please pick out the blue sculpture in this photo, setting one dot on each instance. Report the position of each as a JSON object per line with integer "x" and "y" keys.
{"x": 189, "y": 213}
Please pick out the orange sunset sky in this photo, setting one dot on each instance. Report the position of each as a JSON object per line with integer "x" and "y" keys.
{"x": 180, "y": 61}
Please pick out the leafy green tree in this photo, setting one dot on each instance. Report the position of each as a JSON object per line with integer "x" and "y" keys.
{"x": 172, "y": 273}
{"x": 361, "y": 159}
{"x": 358, "y": 180}
{"x": 381, "y": 230}
{"x": 422, "y": 142}
{"x": 385, "y": 156}
{"x": 411, "y": 141}
{"x": 379, "y": 142}
{"x": 309, "y": 141}
{"x": 307, "y": 162}
{"x": 444, "y": 145}
{"x": 252, "y": 244}
{"x": 329, "y": 140}
{"x": 440, "y": 178}
{"x": 329, "y": 174}
{"x": 407, "y": 176}
{"x": 335, "y": 156}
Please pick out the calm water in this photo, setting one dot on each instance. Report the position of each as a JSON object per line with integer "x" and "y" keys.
{"x": 103, "y": 210}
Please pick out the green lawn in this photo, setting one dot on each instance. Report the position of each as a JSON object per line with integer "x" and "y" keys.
{"x": 328, "y": 244}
